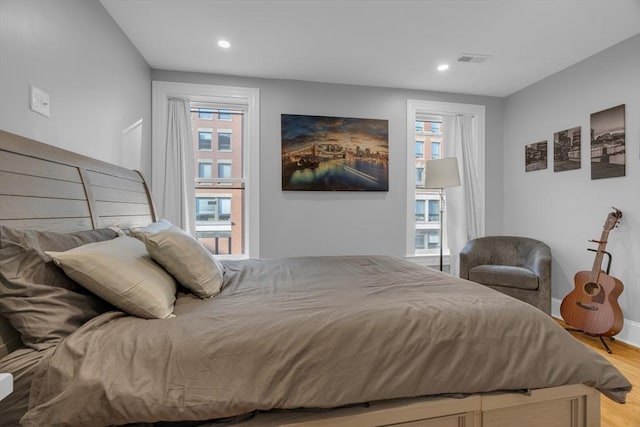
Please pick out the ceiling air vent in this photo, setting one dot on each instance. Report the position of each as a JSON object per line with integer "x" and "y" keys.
{"x": 473, "y": 57}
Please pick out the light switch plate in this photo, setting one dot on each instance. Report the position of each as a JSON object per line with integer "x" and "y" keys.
{"x": 6, "y": 385}
{"x": 39, "y": 101}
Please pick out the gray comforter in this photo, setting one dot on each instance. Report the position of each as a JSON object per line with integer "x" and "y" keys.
{"x": 309, "y": 332}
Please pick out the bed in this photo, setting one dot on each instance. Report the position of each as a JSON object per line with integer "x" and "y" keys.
{"x": 305, "y": 341}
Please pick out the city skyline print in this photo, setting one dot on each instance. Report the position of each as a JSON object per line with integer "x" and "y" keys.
{"x": 323, "y": 153}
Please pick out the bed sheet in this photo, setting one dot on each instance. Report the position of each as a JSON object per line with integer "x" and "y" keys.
{"x": 312, "y": 332}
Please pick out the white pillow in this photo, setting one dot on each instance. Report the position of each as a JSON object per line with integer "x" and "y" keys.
{"x": 154, "y": 227}
{"x": 121, "y": 272}
{"x": 185, "y": 258}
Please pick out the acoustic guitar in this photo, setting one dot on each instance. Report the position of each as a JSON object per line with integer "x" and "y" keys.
{"x": 592, "y": 306}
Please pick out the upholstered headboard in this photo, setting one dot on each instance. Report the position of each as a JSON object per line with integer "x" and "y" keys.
{"x": 47, "y": 188}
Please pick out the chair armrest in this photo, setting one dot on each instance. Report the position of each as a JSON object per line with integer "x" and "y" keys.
{"x": 471, "y": 255}
{"x": 539, "y": 261}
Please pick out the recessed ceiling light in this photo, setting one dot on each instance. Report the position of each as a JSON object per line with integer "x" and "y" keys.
{"x": 224, "y": 44}
{"x": 443, "y": 67}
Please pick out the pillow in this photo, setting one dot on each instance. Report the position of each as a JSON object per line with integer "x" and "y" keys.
{"x": 185, "y": 258}
{"x": 122, "y": 273}
{"x": 36, "y": 297}
{"x": 154, "y": 227}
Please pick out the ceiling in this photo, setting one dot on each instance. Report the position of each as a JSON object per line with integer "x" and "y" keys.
{"x": 385, "y": 43}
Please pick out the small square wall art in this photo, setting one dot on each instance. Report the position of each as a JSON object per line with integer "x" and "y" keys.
{"x": 566, "y": 149}
{"x": 535, "y": 156}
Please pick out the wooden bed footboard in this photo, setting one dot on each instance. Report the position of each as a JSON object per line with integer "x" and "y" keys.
{"x": 563, "y": 406}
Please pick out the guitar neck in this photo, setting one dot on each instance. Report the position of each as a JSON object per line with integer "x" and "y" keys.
{"x": 597, "y": 262}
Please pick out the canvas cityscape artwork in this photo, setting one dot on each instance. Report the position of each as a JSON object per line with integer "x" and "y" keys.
{"x": 535, "y": 156}
{"x": 608, "y": 143}
{"x": 566, "y": 149}
{"x": 321, "y": 153}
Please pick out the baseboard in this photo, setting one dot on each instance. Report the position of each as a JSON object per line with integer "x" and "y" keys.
{"x": 630, "y": 333}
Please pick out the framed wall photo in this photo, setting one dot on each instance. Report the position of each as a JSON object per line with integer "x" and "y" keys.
{"x": 608, "y": 143}
{"x": 321, "y": 153}
{"x": 566, "y": 149}
{"x": 535, "y": 156}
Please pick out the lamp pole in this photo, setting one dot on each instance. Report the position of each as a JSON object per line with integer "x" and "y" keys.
{"x": 440, "y": 243}
{"x": 441, "y": 174}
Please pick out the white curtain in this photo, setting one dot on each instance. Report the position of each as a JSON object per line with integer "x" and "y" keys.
{"x": 177, "y": 190}
{"x": 462, "y": 203}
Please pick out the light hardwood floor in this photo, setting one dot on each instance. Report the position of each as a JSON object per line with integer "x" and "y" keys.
{"x": 627, "y": 359}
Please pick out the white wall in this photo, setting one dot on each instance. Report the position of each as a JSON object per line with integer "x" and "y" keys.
{"x": 98, "y": 82}
{"x": 324, "y": 223}
{"x": 566, "y": 209}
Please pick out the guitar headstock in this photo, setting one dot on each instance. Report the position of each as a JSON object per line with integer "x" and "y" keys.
{"x": 612, "y": 219}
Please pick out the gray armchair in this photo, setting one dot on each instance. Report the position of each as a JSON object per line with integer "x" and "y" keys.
{"x": 516, "y": 266}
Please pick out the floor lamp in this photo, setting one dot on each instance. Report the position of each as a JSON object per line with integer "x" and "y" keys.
{"x": 440, "y": 174}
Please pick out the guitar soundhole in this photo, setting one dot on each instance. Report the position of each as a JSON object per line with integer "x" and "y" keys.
{"x": 591, "y": 289}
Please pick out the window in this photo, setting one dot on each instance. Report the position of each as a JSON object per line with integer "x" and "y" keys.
{"x": 435, "y": 150}
{"x": 220, "y": 183}
{"x": 421, "y": 239}
{"x": 426, "y": 224}
{"x": 204, "y": 169}
{"x": 225, "y": 115}
{"x": 224, "y": 140}
{"x": 220, "y": 217}
{"x": 224, "y": 170}
{"x": 433, "y": 239}
{"x": 430, "y": 121}
{"x": 205, "y": 114}
{"x": 419, "y": 177}
{"x": 240, "y": 235}
{"x": 206, "y": 208}
{"x": 434, "y": 210}
{"x": 212, "y": 209}
{"x": 204, "y": 140}
{"x": 420, "y": 210}
{"x": 224, "y": 208}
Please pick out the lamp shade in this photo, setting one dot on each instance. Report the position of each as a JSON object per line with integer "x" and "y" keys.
{"x": 441, "y": 173}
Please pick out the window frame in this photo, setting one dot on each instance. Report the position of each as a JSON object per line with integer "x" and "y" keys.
{"x": 203, "y": 131}
{"x": 224, "y": 162}
{"x": 205, "y": 162}
{"x": 249, "y": 99}
{"x": 226, "y": 113}
{"x": 416, "y": 107}
{"x": 230, "y": 133}
{"x": 207, "y": 111}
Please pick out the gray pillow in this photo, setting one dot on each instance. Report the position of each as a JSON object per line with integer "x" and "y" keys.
{"x": 36, "y": 297}
{"x": 121, "y": 272}
{"x": 185, "y": 258}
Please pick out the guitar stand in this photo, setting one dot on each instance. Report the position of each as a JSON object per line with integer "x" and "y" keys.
{"x": 604, "y": 344}
{"x": 608, "y": 259}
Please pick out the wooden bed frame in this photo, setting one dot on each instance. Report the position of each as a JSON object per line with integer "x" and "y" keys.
{"x": 47, "y": 188}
